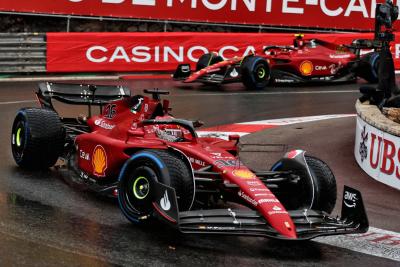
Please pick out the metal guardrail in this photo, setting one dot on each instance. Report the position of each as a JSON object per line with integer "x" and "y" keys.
{"x": 20, "y": 52}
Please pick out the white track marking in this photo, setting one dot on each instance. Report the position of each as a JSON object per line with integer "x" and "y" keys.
{"x": 376, "y": 242}
{"x": 17, "y": 102}
{"x": 260, "y": 125}
{"x": 272, "y": 93}
{"x": 293, "y": 120}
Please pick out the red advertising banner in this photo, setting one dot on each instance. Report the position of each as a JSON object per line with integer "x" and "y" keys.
{"x": 337, "y": 14}
{"x": 85, "y": 52}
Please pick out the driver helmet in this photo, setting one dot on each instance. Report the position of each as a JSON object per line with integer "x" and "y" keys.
{"x": 298, "y": 41}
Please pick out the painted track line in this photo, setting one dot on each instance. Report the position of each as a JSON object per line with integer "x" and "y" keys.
{"x": 17, "y": 102}
{"x": 273, "y": 93}
{"x": 376, "y": 242}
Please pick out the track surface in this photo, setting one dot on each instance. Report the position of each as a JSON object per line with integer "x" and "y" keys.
{"x": 46, "y": 222}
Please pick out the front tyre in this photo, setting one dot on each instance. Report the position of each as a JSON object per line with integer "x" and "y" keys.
{"x": 137, "y": 180}
{"x": 37, "y": 138}
{"x": 369, "y": 67}
{"x": 255, "y": 73}
{"x": 317, "y": 193}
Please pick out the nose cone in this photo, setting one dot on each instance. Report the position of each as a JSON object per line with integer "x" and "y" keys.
{"x": 284, "y": 225}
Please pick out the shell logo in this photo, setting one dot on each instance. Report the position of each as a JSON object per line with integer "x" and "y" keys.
{"x": 306, "y": 67}
{"x": 244, "y": 174}
{"x": 99, "y": 161}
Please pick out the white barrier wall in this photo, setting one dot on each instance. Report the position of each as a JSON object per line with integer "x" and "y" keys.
{"x": 378, "y": 153}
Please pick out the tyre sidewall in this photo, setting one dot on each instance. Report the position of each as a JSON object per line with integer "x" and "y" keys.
{"x": 137, "y": 163}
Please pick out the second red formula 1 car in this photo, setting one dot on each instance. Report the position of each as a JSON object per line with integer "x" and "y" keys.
{"x": 157, "y": 166}
{"x": 307, "y": 61}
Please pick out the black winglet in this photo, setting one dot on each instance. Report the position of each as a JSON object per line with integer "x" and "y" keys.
{"x": 353, "y": 208}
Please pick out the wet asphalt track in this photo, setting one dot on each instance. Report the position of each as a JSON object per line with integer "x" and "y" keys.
{"x": 46, "y": 222}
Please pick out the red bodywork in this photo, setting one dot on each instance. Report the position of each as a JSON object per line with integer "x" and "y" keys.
{"x": 118, "y": 133}
{"x": 311, "y": 58}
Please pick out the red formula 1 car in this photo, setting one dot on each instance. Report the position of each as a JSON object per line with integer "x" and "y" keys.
{"x": 307, "y": 61}
{"x": 157, "y": 166}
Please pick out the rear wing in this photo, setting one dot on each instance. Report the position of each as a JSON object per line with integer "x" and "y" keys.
{"x": 79, "y": 94}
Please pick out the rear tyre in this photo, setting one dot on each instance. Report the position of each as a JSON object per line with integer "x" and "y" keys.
{"x": 318, "y": 193}
{"x": 137, "y": 178}
{"x": 369, "y": 69}
{"x": 255, "y": 73}
{"x": 37, "y": 138}
{"x": 207, "y": 60}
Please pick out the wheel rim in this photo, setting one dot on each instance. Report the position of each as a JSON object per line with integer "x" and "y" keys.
{"x": 18, "y": 140}
{"x": 141, "y": 187}
{"x": 137, "y": 190}
{"x": 18, "y": 137}
{"x": 261, "y": 73}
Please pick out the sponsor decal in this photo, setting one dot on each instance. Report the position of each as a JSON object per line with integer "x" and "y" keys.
{"x": 350, "y": 199}
{"x": 84, "y": 155}
{"x": 268, "y": 200}
{"x": 217, "y": 155}
{"x": 339, "y": 56}
{"x": 321, "y": 68}
{"x": 164, "y": 202}
{"x": 99, "y": 161}
{"x": 247, "y": 198}
{"x": 103, "y": 124}
{"x": 277, "y": 212}
{"x": 259, "y": 189}
{"x": 284, "y": 81}
{"x": 212, "y": 70}
{"x": 197, "y": 161}
{"x": 137, "y": 106}
{"x": 244, "y": 174}
{"x": 227, "y": 163}
{"x": 109, "y": 111}
{"x": 254, "y": 183}
{"x": 217, "y": 228}
{"x": 276, "y": 208}
{"x": 234, "y": 73}
{"x": 378, "y": 153}
{"x": 306, "y": 68}
{"x": 363, "y": 145}
{"x": 341, "y": 14}
{"x": 263, "y": 194}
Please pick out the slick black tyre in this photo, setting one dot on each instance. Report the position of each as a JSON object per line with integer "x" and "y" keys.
{"x": 207, "y": 60}
{"x": 255, "y": 73}
{"x": 37, "y": 138}
{"x": 318, "y": 193}
{"x": 137, "y": 179}
{"x": 369, "y": 69}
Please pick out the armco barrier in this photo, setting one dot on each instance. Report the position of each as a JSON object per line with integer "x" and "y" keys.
{"x": 377, "y": 145}
{"x": 22, "y": 52}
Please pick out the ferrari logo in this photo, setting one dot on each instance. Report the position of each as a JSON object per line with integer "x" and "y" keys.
{"x": 99, "y": 161}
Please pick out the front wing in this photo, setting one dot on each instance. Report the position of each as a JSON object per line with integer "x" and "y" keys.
{"x": 230, "y": 75}
{"x": 309, "y": 223}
